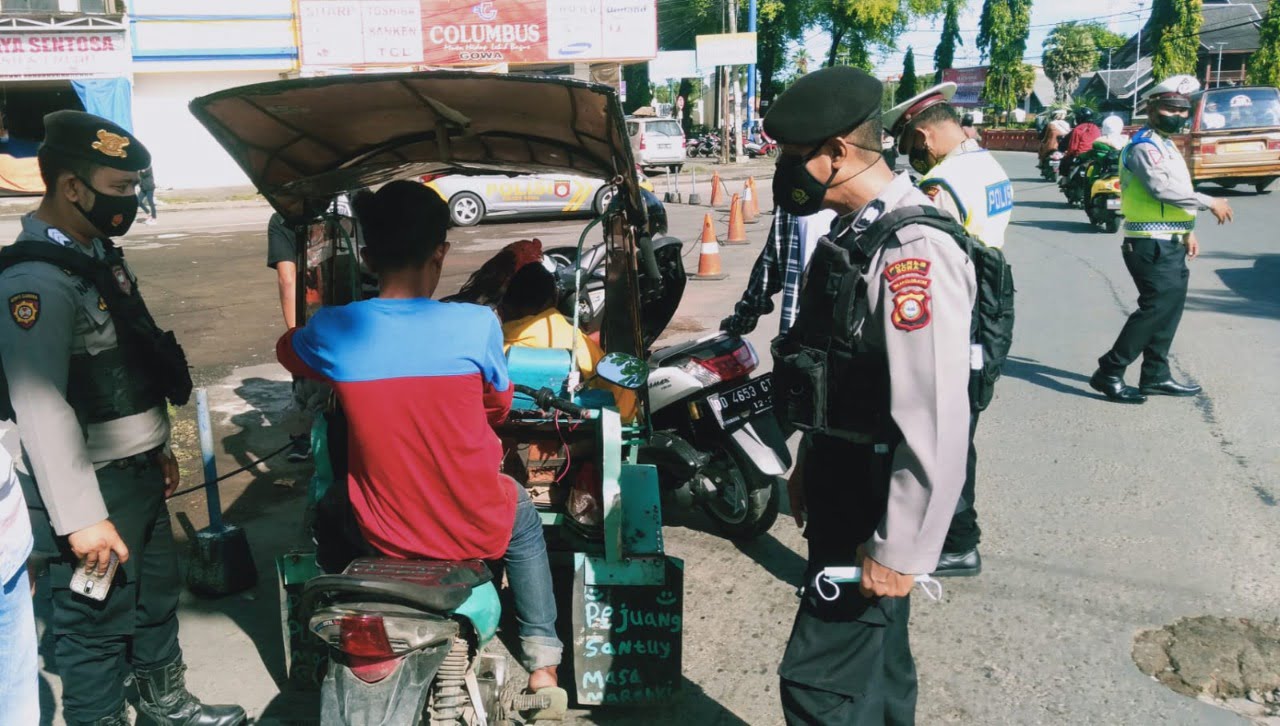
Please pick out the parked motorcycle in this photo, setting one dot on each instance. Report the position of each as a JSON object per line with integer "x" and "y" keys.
{"x": 768, "y": 149}
{"x": 716, "y": 443}
{"x": 707, "y": 146}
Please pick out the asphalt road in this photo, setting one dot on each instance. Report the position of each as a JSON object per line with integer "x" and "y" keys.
{"x": 1100, "y": 520}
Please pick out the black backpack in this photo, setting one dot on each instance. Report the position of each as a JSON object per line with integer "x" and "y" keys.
{"x": 992, "y": 322}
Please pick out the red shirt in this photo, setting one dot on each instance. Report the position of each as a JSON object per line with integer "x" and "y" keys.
{"x": 422, "y": 384}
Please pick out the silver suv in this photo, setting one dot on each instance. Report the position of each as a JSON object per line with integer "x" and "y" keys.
{"x": 656, "y": 142}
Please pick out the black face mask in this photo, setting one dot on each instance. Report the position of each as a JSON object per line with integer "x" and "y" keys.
{"x": 1167, "y": 124}
{"x": 796, "y": 191}
{"x": 919, "y": 159}
{"x": 110, "y": 215}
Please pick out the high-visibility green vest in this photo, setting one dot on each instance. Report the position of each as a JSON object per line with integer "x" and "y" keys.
{"x": 1144, "y": 215}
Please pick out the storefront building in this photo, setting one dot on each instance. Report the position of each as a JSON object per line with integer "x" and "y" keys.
{"x": 54, "y": 55}
{"x": 183, "y": 50}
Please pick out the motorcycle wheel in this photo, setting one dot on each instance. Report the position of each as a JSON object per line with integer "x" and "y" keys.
{"x": 691, "y": 152}
{"x": 745, "y": 505}
{"x": 772, "y": 153}
{"x": 1113, "y": 224}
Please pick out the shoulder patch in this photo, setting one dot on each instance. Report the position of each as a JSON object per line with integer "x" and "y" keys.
{"x": 931, "y": 190}
{"x": 58, "y": 237}
{"x": 1152, "y": 153}
{"x": 911, "y": 310}
{"x": 25, "y": 309}
{"x": 910, "y": 267}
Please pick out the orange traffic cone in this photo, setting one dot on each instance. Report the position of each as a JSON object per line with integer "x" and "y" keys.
{"x": 717, "y": 196}
{"x": 755, "y": 197}
{"x": 749, "y": 208}
{"x": 737, "y": 233}
{"x": 709, "y": 259}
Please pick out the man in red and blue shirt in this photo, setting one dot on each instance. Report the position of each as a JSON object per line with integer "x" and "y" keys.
{"x": 422, "y": 383}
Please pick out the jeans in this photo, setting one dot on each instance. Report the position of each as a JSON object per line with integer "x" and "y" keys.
{"x": 19, "y": 674}
{"x": 529, "y": 574}
{"x": 147, "y": 200}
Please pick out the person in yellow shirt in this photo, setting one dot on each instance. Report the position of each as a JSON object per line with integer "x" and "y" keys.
{"x": 530, "y": 320}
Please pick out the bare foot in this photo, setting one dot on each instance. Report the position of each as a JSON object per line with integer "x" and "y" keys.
{"x": 543, "y": 678}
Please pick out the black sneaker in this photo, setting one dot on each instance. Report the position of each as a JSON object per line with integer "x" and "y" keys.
{"x": 300, "y": 451}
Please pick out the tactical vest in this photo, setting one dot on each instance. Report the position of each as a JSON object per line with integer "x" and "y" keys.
{"x": 1144, "y": 215}
{"x": 982, "y": 192}
{"x": 146, "y": 367}
{"x": 824, "y": 384}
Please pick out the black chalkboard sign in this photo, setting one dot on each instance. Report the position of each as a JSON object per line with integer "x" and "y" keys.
{"x": 627, "y": 640}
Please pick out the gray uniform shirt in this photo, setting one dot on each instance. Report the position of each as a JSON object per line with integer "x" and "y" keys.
{"x": 69, "y": 318}
{"x": 921, "y": 290}
{"x": 1159, "y": 166}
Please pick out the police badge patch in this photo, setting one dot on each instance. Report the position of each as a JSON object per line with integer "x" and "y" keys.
{"x": 122, "y": 279}
{"x": 911, "y": 310}
{"x": 25, "y": 309}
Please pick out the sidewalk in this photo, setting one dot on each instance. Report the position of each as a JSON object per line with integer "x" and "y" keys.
{"x": 172, "y": 200}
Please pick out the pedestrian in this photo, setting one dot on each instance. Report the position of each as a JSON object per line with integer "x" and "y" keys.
{"x": 19, "y": 672}
{"x": 88, "y": 375}
{"x": 779, "y": 268}
{"x": 282, "y": 256}
{"x": 876, "y": 370}
{"x": 966, "y": 181}
{"x": 147, "y": 194}
{"x": 1159, "y": 203}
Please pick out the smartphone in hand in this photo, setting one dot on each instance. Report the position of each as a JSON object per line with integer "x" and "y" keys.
{"x": 91, "y": 585}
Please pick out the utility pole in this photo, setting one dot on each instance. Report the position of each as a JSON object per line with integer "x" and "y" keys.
{"x": 1137, "y": 66}
{"x": 1217, "y": 81}
{"x": 733, "y": 95}
{"x": 751, "y": 69}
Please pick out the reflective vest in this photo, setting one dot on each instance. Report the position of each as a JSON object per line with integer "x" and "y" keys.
{"x": 1144, "y": 215}
{"x": 981, "y": 190}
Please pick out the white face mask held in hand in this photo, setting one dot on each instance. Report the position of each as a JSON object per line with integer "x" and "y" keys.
{"x": 827, "y": 582}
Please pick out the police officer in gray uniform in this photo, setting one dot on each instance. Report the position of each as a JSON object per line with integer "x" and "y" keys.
{"x": 876, "y": 369}
{"x": 87, "y": 373}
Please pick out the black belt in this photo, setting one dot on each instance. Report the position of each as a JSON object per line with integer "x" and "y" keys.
{"x": 146, "y": 458}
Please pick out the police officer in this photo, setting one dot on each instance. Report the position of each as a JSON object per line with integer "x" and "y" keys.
{"x": 882, "y": 464}
{"x": 87, "y": 374}
{"x": 1159, "y": 203}
{"x": 966, "y": 181}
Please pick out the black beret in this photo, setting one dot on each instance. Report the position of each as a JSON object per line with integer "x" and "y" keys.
{"x": 83, "y": 136}
{"x": 824, "y": 104}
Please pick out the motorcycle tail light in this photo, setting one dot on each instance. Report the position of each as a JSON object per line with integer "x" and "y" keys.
{"x": 1273, "y": 145}
{"x": 703, "y": 374}
{"x": 364, "y": 636}
{"x": 737, "y": 363}
{"x": 1208, "y": 149}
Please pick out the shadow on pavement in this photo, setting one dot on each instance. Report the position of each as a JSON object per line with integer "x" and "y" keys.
{"x": 775, "y": 557}
{"x": 1061, "y": 225}
{"x": 1253, "y": 290}
{"x": 1055, "y": 204}
{"x": 1036, "y": 373}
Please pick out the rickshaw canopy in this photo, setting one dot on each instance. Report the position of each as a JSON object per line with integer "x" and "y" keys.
{"x": 302, "y": 141}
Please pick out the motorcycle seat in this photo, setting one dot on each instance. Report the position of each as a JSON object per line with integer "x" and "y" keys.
{"x": 660, "y": 356}
{"x": 432, "y": 585}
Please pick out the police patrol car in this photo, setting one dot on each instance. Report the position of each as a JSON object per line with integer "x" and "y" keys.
{"x": 473, "y": 199}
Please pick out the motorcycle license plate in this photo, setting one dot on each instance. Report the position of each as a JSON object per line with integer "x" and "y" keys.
{"x": 1113, "y": 204}
{"x": 743, "y": 403}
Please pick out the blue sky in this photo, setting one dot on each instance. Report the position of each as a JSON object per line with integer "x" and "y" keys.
{"x": 1045, "y": 14}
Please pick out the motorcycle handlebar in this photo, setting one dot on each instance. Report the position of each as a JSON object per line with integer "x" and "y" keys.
{"x": 547, "y": 400}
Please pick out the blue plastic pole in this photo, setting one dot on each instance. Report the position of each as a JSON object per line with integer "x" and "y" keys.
{"x": 751, "y": 69}
{"x": 210, "y": 464}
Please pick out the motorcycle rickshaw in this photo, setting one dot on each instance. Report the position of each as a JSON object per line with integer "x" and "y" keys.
{"x": 405, "y": 639}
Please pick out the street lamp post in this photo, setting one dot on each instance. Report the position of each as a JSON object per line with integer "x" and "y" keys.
{"x": 1137, "y": 65}
{"x": 1217, "y": 81}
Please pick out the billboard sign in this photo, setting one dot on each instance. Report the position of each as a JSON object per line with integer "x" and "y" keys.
{"x": 475, "y": 32}
{"x": 969, "y": 84}
{"x": 726, "y": 49}
{"x": 64, "y": 55}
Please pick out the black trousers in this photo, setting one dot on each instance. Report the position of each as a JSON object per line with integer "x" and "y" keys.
{"x": 847, "y": 661}
{"x": 1159, "y": 270}
{"x": 98, "y": 644}
{"x": 964, "y": 533}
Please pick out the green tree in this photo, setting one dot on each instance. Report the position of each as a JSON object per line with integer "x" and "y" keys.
{"x": 859, "y": 26}
{"x": 779, "y": 25}
{"x": 1002, "y": 37}
{"x": 1173, "y": 30}
{"x": 907, "y": 87}
{"x": 639, "y": 92}
{"x": 1265, "y": 66}
{"x": 944, "y": 56}
{"x": 1073, "y": 49}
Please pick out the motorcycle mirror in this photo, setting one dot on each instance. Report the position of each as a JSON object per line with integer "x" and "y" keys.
{"x": 626, "y": 371}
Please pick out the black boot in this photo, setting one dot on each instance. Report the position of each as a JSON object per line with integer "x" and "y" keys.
{"x": 163, "y": 700}
{"x": 119, "y": 718}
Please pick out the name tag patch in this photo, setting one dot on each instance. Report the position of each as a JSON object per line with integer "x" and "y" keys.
{"x": 1000, "y": 198}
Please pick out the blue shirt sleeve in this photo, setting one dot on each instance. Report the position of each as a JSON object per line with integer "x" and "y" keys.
{"x": 494, "y": 363}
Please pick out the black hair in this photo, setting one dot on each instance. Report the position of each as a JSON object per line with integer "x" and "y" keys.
{"x": 54, "y": 164}
{"x": 531, "y": 290}
{"x": 936, "y": 114}
{"x": 868, "y": 135}
{"x": 404, "y": 223}
{"x": 967, "y": 120}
